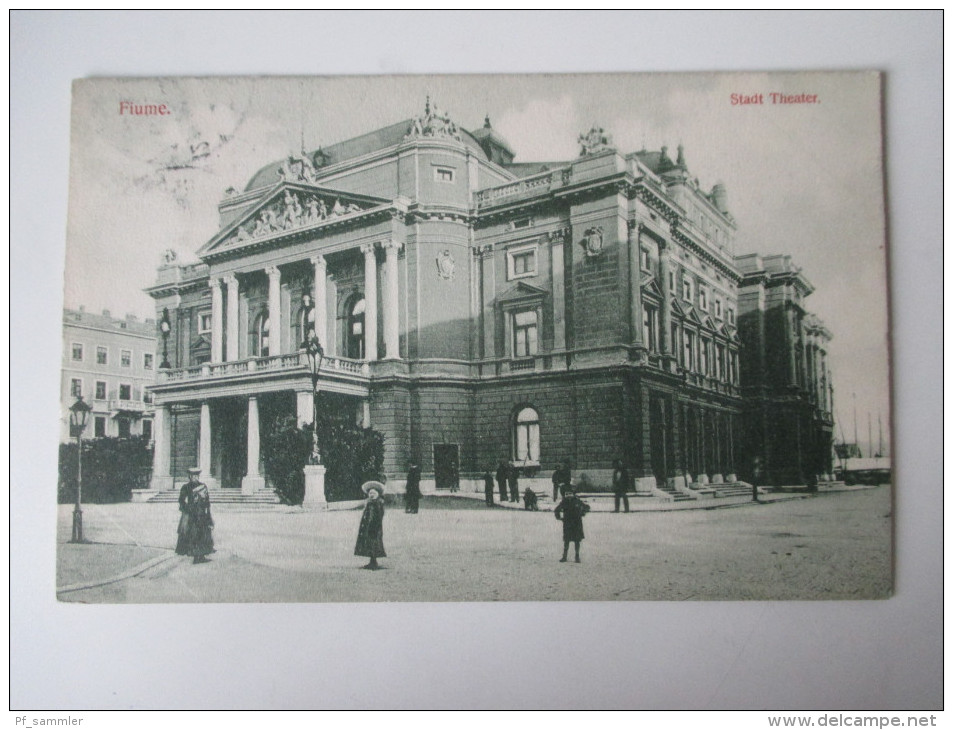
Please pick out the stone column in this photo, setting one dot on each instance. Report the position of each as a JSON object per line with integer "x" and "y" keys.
{"x": 217, "y": 324}
{"x": 487, "y": 292}
{"x": 320, "y": 296}
{"x": 205, "y": 443}
{"x": 274, "y": 311}
{"x": 253, "y": 481}
{"x": 304, "y": 401}
{"x": 792, "y": 345}
{"x": 161, "y": 457}
{"x": 391, "y": 301}
{"x": 702, "y": 476}
{"x": 665, "y": 335}
{"x": 370, "y": 301}
{"x": 635, "y": 295}
{"x": 231, "y": 316}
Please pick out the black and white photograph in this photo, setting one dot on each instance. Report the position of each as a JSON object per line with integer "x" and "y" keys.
{"x": 476, "y": 321}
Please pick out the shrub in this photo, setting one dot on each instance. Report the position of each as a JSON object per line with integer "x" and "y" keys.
{"x": 112, "y": 468}
{"x": 285, "y": 450}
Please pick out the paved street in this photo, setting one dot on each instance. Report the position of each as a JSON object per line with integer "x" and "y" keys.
{"x": 834, "y": 545}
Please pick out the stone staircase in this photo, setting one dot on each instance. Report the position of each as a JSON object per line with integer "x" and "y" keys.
{"x": 676, "y": 495}
{"x": 222, "y": 496}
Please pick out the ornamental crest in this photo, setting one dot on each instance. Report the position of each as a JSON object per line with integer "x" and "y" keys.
{"x": 592, "y": 241}
{"x": 445, "y": 264}
{"x": 433, "y": 123}
{"x": 295, "y": 210}
{"x": 595, "y": 140}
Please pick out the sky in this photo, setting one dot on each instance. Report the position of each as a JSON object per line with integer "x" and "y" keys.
{"x": 802, "y": 179}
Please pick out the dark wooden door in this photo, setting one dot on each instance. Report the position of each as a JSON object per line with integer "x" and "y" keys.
{"x": 446, "y": 465}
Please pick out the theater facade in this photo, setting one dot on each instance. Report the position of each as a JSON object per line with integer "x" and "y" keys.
{"x": 471, "y": 308}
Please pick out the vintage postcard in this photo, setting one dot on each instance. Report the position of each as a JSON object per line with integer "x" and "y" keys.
{"x": 476, "y": 338}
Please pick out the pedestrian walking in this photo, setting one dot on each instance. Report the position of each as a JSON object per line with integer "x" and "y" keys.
{"x": 454, "y": 478}
{"x": 501, "y": 473}
{"x": 513, "y": 479}
{"x": 530, "y": 501}
{"x": 570, "y": 511}
{"x": 755, "y": 477}
{"x": 562, "y": 477}
{"x": 412, "y": 492}
{"x": 370, "y": 534}
{"x": 488, "y": 488}
{"x": 195, "y": 523}
{"x": 620, "y": 484}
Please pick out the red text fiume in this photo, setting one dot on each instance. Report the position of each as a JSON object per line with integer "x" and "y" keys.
{"x": 143, "y": 110}
{"x": 774, "y": 97}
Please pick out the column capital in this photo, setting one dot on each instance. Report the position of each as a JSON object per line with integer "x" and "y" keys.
{"x": 367, "y": 249}
{"x": 319, "y": 261}
{"x": 272, "y": 271}
{"x": 229, "y": 279}
{"x": 391, "y": 245}
{"x": 634, "y": 225}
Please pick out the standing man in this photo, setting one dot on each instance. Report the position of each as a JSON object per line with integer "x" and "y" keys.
{"x": 620, "y": 484}
{"x": 562, "y": 478}
{"x": 513, "y": 478}
{"x": 412, "y": 493}
{"x": 570, "y": 512}
{"x": 501, "y": 473}
{"x": 488, "y": 488}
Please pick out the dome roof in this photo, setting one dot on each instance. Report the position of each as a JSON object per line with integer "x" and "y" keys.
{"x": 365, "y": 144}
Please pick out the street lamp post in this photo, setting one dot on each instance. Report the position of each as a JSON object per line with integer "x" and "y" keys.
{"x": 315, "y": 353}
{"x": 78, "y": 415}
{"x": 165, "y": 326}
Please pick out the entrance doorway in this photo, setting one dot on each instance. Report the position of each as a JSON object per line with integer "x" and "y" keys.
{"x": 446, "y": 466}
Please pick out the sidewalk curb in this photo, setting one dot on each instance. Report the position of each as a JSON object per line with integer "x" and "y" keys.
{"x": 132, "y": 572}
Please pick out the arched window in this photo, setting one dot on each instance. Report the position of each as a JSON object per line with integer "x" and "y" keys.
{"x": 260, "y": 335}
{"x": 304, "y": 323}
{"x": 355, "y": 329}
{"x": 526, "y": 436}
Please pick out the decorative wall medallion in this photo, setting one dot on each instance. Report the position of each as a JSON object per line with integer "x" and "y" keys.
{"x": 445, "y": 264}
{"x": 592, "y": 241}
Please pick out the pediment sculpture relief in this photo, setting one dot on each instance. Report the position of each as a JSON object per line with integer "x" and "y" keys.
{"x": 295, "y": 210}
{"x": 299, "y": 169}
{"x": 434, "y": 123}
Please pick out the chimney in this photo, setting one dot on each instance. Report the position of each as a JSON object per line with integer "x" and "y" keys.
{"x": 106, "y": 313}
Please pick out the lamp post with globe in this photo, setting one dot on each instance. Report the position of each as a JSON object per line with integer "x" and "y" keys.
{"x": 78, "y": 416}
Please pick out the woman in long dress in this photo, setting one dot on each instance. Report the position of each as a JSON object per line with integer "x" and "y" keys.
{"x": 195, "y": 524}
{"x": 370, "y": 535}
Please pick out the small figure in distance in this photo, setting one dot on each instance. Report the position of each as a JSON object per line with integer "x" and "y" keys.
{"x": 620, "y": 484}
{"x": 488, "y": 488}
{"x": 513, "y": 478}
{"x": 195, "y": 525}
{"x": 370, "y": 535}
{"x": 412, "y": 492}
{"x": 570, "y": 512}
{"x": 502, "y": 470}
{"x": 530, "y": 502}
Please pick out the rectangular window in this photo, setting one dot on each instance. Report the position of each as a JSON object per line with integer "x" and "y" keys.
{"x": 147, "y": 428}
{"x": 687, "y": 289}
{"x": 147, "y": 396}
{"x": 650, "y": 328}
{"x": 100, "y": 390}
{"x": 76, "y": 387}
{"x": 671, "y": 281}
{"x": 99, "y": 426}
{"x": 102, "y": 355}
{"x": 730, "y": 315}
{"x": 524, "y": 334}
{"x": 125, "y": 358}
{"x": 443, "y": 174}
{"x": 644, "y": 260}
{"x": 703, "y": 356}
{"x": 125, "y": 392}
{"x": 77, "y": 351}
{"x": 522, "y": 223}
{"x": 524, "y": 263}
{"x": 205, "y": 322}
{"x": 689, "y": 350}
{"x": 124, "y": 427}
{"x": 703, "y": 298}
{"x": 718, "y": 308}
{"x": 147, "y": 360}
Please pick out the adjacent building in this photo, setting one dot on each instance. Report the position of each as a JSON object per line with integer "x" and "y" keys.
{"x": 785, "y": 374}
{"x": 109, "y": 362}
{"x": 471, "y": 308}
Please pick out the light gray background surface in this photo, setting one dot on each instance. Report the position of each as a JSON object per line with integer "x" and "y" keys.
{"x": 824, "y": 655}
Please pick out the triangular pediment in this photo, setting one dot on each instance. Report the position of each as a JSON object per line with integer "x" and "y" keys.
{"x": 707, "y": 323}
{"x": 290, "y": 207}
{"x": 650, "y": 286}
{"x": 677, "y": 308}
{"x": 692, "y": 316}
{"x": 521, "y": 291}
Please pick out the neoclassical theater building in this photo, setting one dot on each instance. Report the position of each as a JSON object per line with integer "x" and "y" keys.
{"x": 471, "y": 308}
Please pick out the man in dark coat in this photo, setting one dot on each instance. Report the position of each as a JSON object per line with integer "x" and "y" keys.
{"x": 562, "y": 478}
{"x": 370, "y": 534}
{"x": 620, "y": 484}
{"x": 513, "y": 479}
{"x": 570, "y": 511}
{"x": 502, "y": 471}
{"x": 195, "y": 524}
{"x": 412, "y": 493}
{"x": 488, "y": 488}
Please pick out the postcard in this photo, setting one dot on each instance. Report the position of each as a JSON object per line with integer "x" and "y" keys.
{"x": 476, "y": 338}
